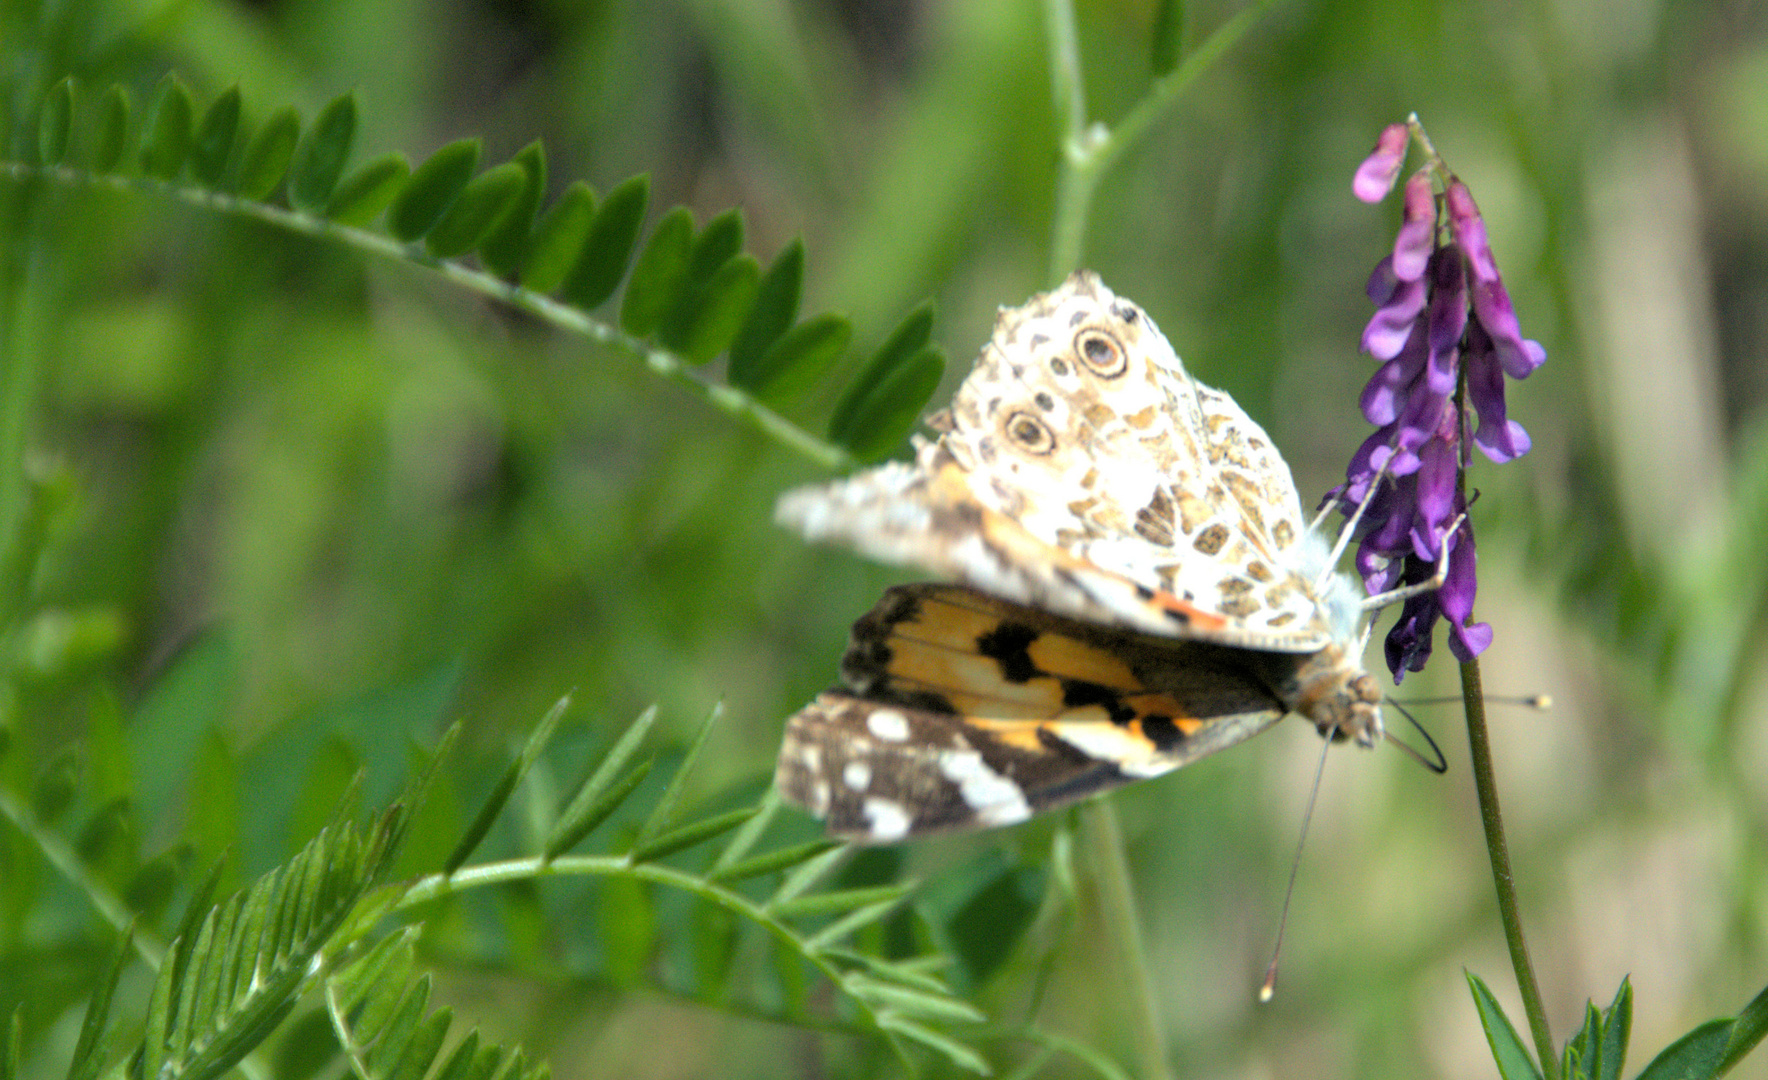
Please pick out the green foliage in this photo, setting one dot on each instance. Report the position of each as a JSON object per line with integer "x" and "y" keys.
{"x": 53, "y": 123}
{"x": 505, "y": 247}
{"x": 212, "y": 146}
{"x": 361, "y": 197}
{"x": 275, "y": 515}
{"x": 558, "y": 238}
{"x": 166, "y": 132}
{"x": 607, "y": 244}
{"x": 320, "y": 154}
{"x": 432, "y": 189}
{"x": 269, "y": 153}
{"x": 1508, "y": 1051}
{"x": 1598, "y": 1049}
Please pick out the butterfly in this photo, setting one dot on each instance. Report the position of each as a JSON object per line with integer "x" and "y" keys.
{"x": 1129, "y": 586}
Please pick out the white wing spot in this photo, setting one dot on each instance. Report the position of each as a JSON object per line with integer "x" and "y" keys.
{"x": 889, "y": 725}
{"x": 819, "y": 797}
{"x": 888, "y": 819}
{"x": 996, "y": 799}
{"x": 857, "y": 775}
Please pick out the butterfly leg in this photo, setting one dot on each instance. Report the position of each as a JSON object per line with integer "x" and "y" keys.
{"x": 1350, "y": 529}
{"x": 1417, "y": 588}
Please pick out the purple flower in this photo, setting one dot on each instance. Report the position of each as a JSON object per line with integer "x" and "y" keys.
{"x": 1376, "y": 176}
{"x": 1447, "y": 335}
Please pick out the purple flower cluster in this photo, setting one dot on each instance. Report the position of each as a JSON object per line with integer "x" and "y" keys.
{"x": 1446, "y": 335}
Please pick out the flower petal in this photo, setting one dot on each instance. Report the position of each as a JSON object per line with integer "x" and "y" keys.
{"x": 1417, "y": 236}
{"x": 1375, "y": 176}
{"x": 1391, "y": 325}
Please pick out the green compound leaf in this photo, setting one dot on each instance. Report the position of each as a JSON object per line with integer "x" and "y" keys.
{"x": 910, "y": 335}
{"x": 216, "y": 134}
{"x": 166, "y": 133}
{"x": 781, "y": 859}
{"x": 608, "y": 247}
{"x": 1512, "y": 1057}
{"x": 888, "y": 410}
{"x": 960, "y": 1054}
{"x": 558, "y": 239}
{"x": 718, "y": 310}
{"x": 503, "y": 248}
{"x": 686, "y": 836}
{"x": 798, "y": 360}
{"x": 54, "y": 121}
{"x": 479, "y": 208}
{"x": 657, "y": 278}
{"x": 268, "y": 155}
{"x": 580, "y": 820}
{"x": 776, "y": 306}
{"x": 432, "y": 189}
{"x": 367, "y": 191}
{"x": 113, "y": 129}
{"x": 320, "y": 155}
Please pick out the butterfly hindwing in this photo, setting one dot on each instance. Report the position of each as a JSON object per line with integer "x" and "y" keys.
{"x": 963, "y": 710}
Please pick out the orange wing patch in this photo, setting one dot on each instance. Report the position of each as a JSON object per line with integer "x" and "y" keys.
{"x": 960, "y": 709}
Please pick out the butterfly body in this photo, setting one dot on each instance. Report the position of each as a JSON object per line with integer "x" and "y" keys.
{"x": 1134, "y": 588}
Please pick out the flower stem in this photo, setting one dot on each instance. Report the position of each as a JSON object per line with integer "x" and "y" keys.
{"x": 1117, "y": 903}
{"x": 1088, "y": 151}
{"x": 1484, "y": 782}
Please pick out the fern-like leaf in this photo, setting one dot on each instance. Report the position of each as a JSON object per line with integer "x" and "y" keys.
{"x": 379, "y": 1009}
{"x": 689, "y": 297}
{"x": 222, "y": 992}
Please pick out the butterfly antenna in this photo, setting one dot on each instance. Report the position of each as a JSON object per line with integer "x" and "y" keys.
{"x": 1268, "y": 989}
{"x": 1438, "y": 766}
{"x": 1537, "y": 702}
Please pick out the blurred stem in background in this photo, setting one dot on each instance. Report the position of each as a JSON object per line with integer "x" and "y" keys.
{"x": 1089, "y": 150}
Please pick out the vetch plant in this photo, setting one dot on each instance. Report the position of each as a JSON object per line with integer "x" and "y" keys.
{"x": 1447, "y": 336}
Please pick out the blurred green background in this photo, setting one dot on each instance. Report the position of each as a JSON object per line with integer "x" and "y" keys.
{"x": 314, "y": 506}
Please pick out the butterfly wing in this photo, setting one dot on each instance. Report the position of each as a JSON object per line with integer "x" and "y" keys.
{"x": 961, "y": 710}
{"x": 1082, "y": 469}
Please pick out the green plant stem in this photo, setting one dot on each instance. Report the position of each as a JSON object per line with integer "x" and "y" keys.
{"x": 59, "y": 854}
{"x": 1485, "y": 783}
{"x": 1111, "y": 870}
{"x": 436, "y": 886}
{"x": 727, "y": 399}
{"x": 1088, "y": 152}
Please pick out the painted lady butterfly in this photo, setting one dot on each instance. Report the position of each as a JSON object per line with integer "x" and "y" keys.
{"x": 1135, "y": 588}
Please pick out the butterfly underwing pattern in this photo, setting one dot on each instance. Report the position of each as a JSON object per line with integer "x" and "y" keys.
{"x": 1131, "y": 587}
